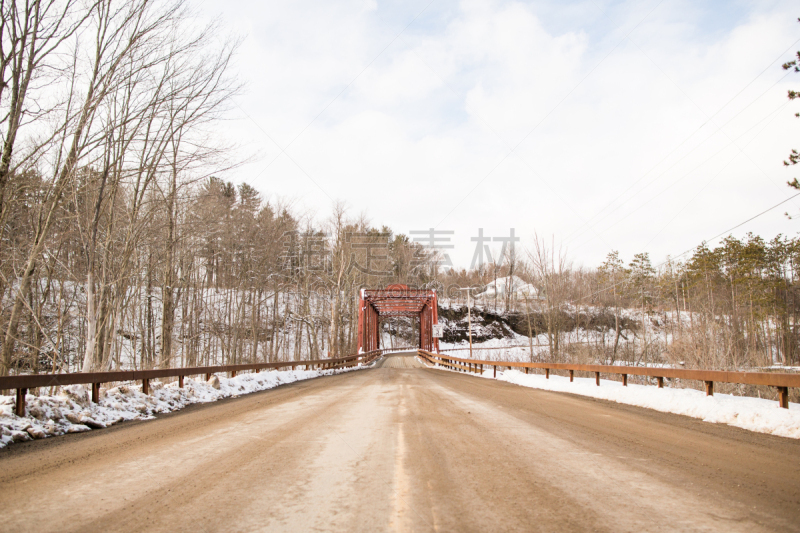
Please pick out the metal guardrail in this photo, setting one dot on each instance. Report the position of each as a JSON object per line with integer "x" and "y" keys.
{"x": 399, "y": 349}
{"x": 780, "y": 381}
{"x": 29, "y": 381}
{"x": 526, "y": 346}
{"x": 489, "y": 348}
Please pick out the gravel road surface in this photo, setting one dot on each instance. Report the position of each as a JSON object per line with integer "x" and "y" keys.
{"x": 402, "y": 447}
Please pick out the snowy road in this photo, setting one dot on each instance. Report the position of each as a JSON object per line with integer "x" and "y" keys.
{"x": 398, "y": 448}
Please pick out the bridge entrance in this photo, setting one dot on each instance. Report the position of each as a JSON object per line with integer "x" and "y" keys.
{"x": 396, "y": 300}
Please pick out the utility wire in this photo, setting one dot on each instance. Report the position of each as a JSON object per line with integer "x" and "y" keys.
{"x": 672, "y": 258}
{"x": 573, "y": 236}
{"x": 742, "y": 224}
{"x": 771, "y": 117}
{"x": 708, "y": 119}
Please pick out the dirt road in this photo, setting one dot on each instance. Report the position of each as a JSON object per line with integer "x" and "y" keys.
{"x": 398, "y": 448}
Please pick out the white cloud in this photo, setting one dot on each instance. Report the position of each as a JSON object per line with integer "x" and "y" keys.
{"x": 414, "y": 128}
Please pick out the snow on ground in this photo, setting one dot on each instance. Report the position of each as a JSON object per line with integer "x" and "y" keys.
{"x": 514, "y": 348}
{"x": 71, "y": 411}
{"x": 513, "y": 284}
{"x": 754, "y": 414}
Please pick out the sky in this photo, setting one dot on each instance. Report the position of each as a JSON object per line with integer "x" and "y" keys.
{"x": 646, "y": 126}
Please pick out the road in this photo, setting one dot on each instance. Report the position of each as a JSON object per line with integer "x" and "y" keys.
{"x": 405, "y": 448}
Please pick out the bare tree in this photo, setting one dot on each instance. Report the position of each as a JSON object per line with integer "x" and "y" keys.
{"x": 550, "y": 269}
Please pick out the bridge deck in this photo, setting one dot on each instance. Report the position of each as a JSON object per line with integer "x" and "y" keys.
{"x": 401, "y": 360}
{"x": 405, "y": 449}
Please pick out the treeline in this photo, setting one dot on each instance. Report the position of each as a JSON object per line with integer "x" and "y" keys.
{"x": 732, "y": 306}
{"x": 120, "y": 249}
{"x": 742, "y": 303}
{"x": 107, "y": 109}
{"x": 232, "y": 279}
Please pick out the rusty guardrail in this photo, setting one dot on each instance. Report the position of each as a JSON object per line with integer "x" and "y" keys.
{"x": 780, "y": 381}
{"x": 527, "y": 346}
{"x": 21, "y": 383}
{"x": 399, "y": 349}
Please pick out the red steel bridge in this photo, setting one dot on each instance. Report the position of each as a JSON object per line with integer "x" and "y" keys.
{"x": 396, "y": 300}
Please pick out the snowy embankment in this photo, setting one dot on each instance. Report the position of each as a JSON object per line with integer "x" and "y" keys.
{"x": 754, "y": 414}
{"x": 71, "y": 411}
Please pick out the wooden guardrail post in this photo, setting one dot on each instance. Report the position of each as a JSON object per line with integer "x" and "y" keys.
{"x": 571, "y": 375}
{"x": 597, "y": 378}
{"x": 783, "y": 397}
{"x": 709, "y": 388}
{"x": 495, "y": 370}
{"x": 180, "y": 382}
{"x": 624, "y": 380}
{"x": 547, "y": 373}
{"x": 95, "y": 392}
{"x": 208, "y": 376}
{"x": 19, "y": 407}
{"x": 660, "y": 382}
{"x": 146, "y": 386}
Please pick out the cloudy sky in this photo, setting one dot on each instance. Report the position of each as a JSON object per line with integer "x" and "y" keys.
{"x": 633, "y": 126}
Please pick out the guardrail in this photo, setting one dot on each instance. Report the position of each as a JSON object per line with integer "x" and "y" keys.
{"x": 780, "y": 381}
{"x": 399, "y": 349}
{"x": 21, "y": 383}
{"x": 490, "y": 348}
{"x": 526, "y": 346}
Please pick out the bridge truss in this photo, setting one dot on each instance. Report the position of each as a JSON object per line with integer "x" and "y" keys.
{"x": 396, "y": 300}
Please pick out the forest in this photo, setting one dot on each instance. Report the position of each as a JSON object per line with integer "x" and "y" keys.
{"x": 121, "y": 248}
{"x": 730, "y": 306}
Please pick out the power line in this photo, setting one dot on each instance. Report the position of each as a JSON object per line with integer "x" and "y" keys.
{"x": 671, "y": 258}
{"x": 708, "y": 119}
{"x": 573, "y": 235}
{"x": 771, "y": 117}
{"x": 743, "y": 223}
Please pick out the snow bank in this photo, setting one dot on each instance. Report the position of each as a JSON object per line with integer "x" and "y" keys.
{"x": 514, "y": 284}
{"x": 754, "y": 414}
{"x": 71, "y": 411}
